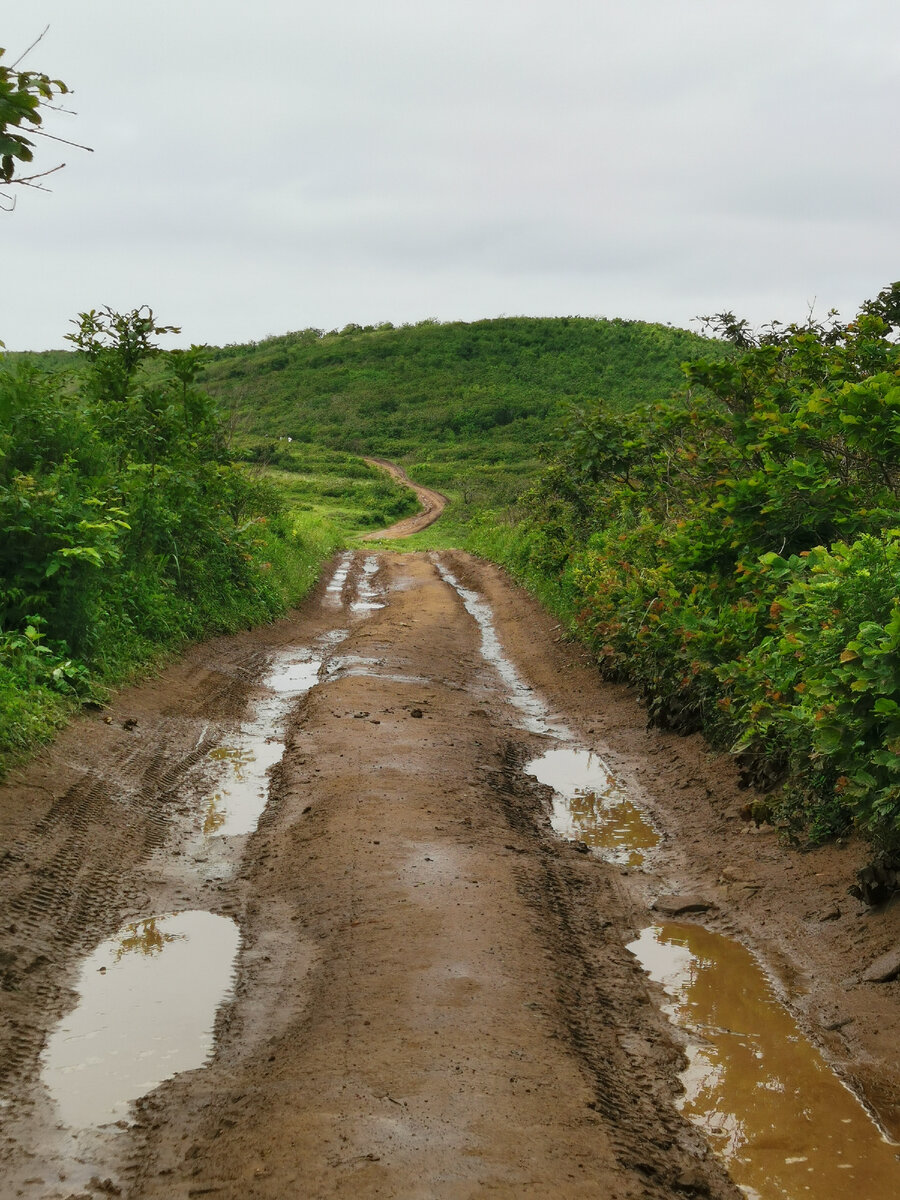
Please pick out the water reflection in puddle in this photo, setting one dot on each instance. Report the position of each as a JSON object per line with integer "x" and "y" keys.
{"x": 237, "y": 805}
{"x": 536, "y": 715}
{"x": 589, "y": 806}
{"x": 147, "y": 1005}
{"x": 243, "y": 785}
{"x": 293, "y": 676}
{"x": 770, "y": 1105}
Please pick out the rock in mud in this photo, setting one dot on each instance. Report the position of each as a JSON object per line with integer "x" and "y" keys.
{"x": 675, "y": 906}
{"x": 878, "y": 881}
{"x": 731, "y": 875}
{"x": 883, "y": 969}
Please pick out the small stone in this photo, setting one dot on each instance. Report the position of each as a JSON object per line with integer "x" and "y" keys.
{"x": 360, "y": 715}
{"x": 837, "y": 1023}
{"x": 674, "y": 906}
{"x": 883, "y": 969}
{"x": 106, "y": 1186}
{"x": 416, "y": 712}
{"x": 832, "y": 913}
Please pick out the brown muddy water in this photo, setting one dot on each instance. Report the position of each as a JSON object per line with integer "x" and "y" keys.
{"x": 785, "y": 1125}
{"x": 768, "y": 1102}
{"x": 147, "y": 1006}
{"x": 590, "y": 806}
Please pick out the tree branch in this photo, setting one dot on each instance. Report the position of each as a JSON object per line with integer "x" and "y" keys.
{"x": 65, "y": 141}
{"x": 28, "y": 49}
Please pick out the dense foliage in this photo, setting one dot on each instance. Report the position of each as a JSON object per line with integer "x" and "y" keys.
{"x": 735, "y": 551}
{"x": 126, "y": 527}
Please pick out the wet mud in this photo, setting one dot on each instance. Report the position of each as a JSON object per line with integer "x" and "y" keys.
{"x": 771, "y": 1106}
{"x": 342, "y": 907}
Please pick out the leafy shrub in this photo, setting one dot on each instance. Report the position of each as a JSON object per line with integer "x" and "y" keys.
{"x": 734, "y": 552}
{"x": 127, "y": 529}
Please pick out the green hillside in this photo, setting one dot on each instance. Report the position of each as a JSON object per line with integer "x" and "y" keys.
{"x": 445, "y": 395}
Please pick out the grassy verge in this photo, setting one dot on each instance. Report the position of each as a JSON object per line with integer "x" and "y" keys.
{"x": 43, "y": 685}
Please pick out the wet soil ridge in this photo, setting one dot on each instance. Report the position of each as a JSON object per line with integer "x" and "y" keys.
{"x": 432, "y": 502}
{"x": 432, "y": 994}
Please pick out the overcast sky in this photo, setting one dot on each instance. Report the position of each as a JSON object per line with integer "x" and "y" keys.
{"x": 270, "y": 165}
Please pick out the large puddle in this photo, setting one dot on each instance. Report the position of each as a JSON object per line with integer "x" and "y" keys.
{"x": 591, "y": 807}
{"x": 536, "y": 716}
{"x": 242, "y": 785}
{"x": 770, "y": 1105}
{"x": 147, "y": 1006}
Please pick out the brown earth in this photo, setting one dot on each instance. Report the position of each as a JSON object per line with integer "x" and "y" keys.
{"x": 433, "y": 998}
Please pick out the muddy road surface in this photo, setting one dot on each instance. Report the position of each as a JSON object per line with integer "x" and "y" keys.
{"x": 394, "y": 898}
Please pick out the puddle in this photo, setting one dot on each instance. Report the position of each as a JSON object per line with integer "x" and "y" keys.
{"x": 147, "y": 1005}
{"x": 768, "y": 1102}
{"x": 536, "y": 715}
{"x": 294, "y": 677}
{"x": 357, "y": 665}
{"x": 237, "y": 805}
{"x": 589, "y": 806}
{"x": 367, "y": 599}
{"x": 242, "y": 789}
{"x": 332, "y": 596}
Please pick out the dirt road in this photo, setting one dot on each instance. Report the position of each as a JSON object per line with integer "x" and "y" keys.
{"x": 433, "y": 504}
{"x": 427, "y": 992}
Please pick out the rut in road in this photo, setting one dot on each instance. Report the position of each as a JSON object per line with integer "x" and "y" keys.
{"x": 432, "y": 995}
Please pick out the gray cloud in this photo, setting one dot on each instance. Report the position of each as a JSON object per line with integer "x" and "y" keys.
{"x": 270, "y": 166}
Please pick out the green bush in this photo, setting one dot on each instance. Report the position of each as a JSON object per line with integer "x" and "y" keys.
{"x": 734, "y": 553}
{"x": 127, "y": 529}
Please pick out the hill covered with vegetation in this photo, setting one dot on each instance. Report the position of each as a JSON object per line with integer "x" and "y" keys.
{"x": 467, "y": 405}
{"x": 717, "y": 518}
